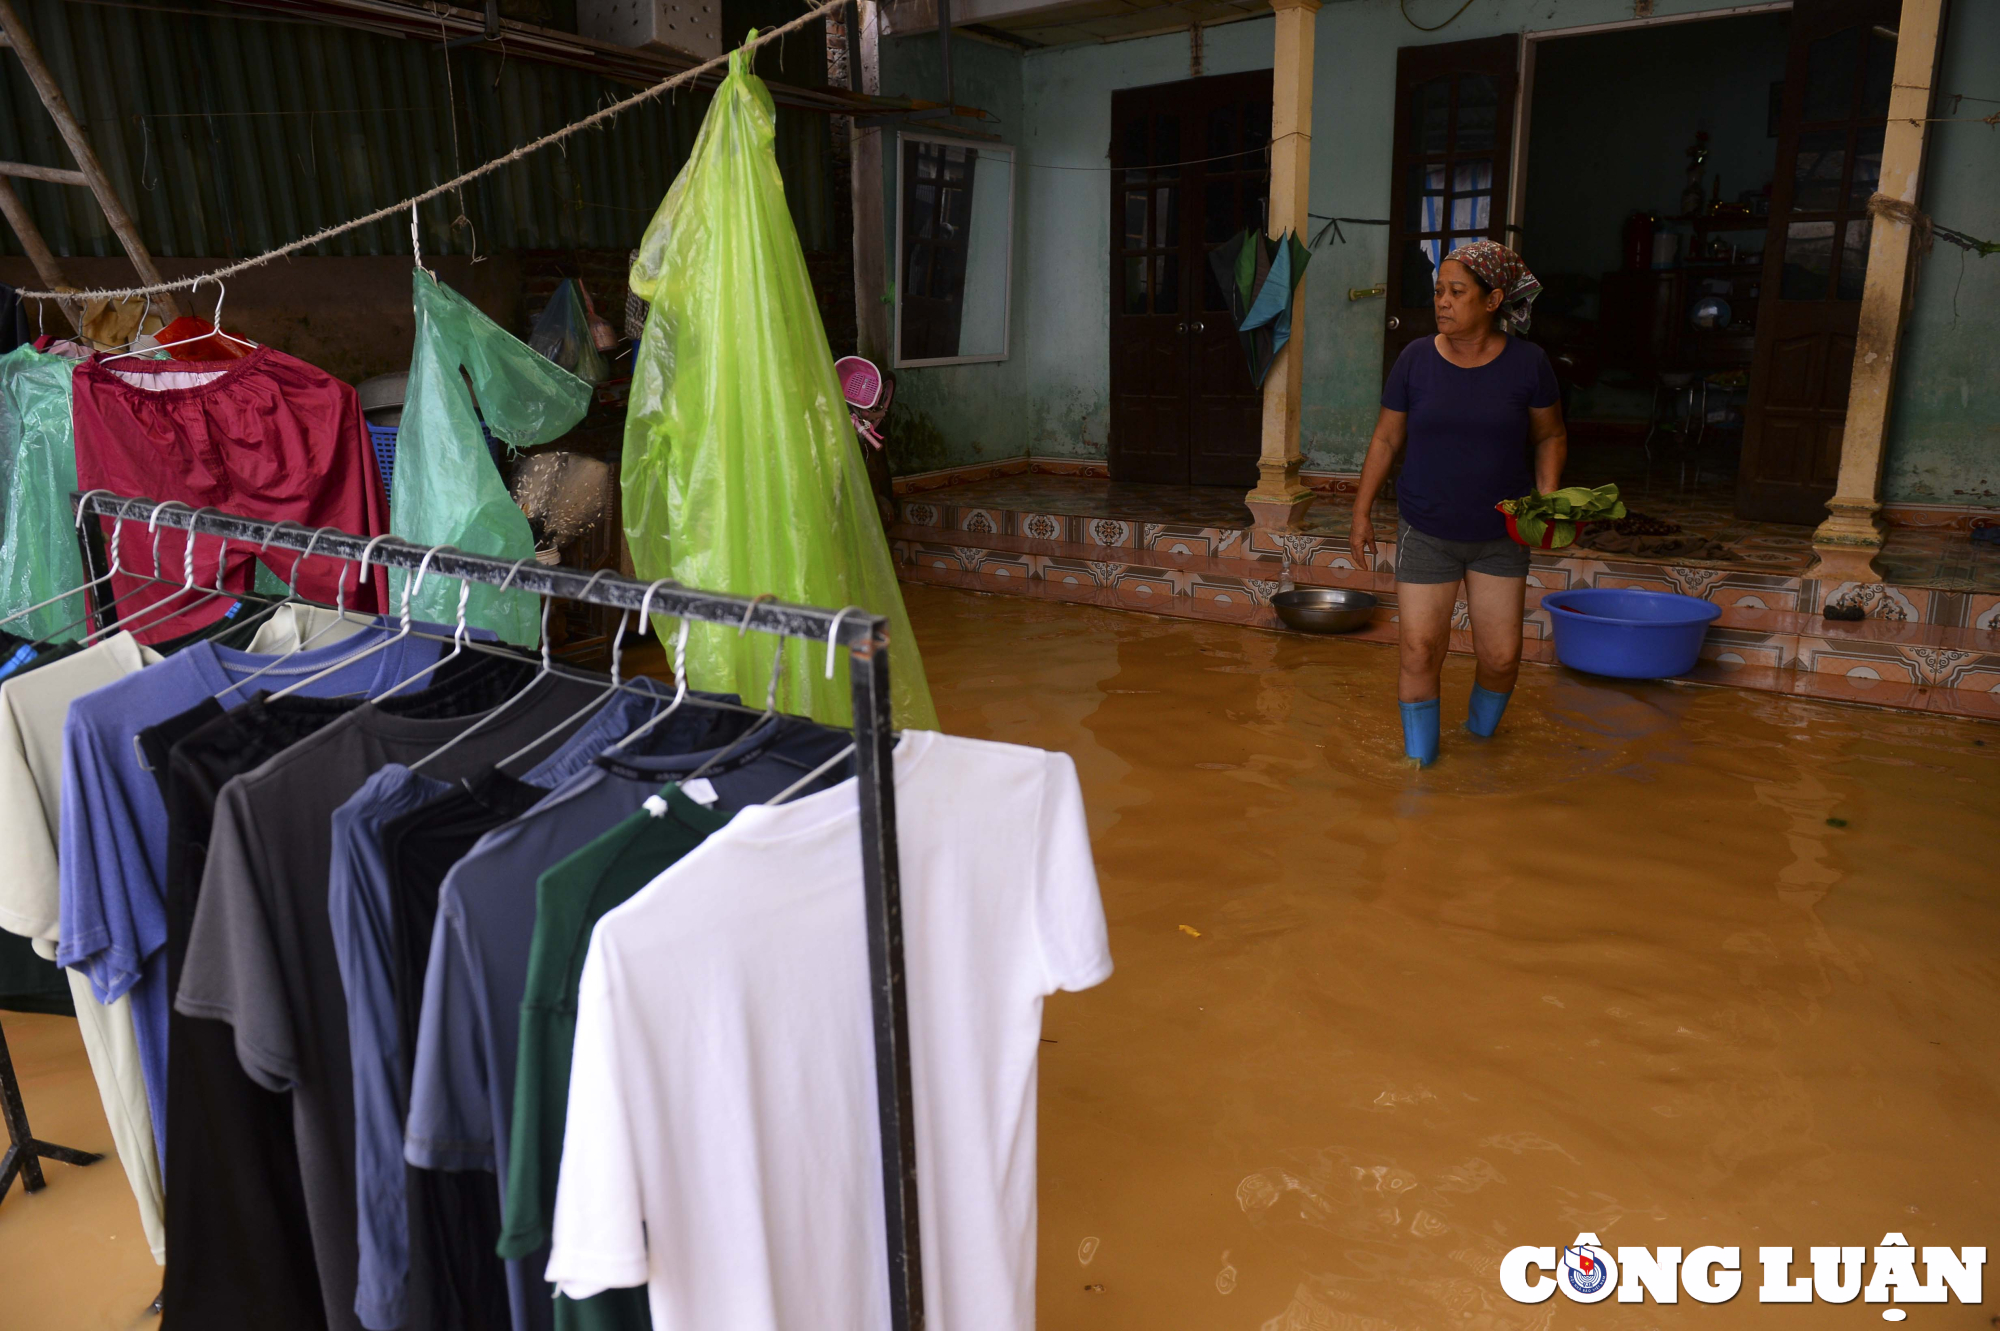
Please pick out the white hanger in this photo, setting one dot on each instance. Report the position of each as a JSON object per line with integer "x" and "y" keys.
{"x": 187, "y": 563}
{"x": 788, "y": 792}
{"x": 617, "y": 675}
{"x": 215, "y": 326}
{"x": 292, "y": 585}
{"x": 102, "y": 577}
{"x": 145, "y": 581}
{"x": 458, "y": 636}
{"x": 410, "y": 589}
{"x": 548, "y": 668}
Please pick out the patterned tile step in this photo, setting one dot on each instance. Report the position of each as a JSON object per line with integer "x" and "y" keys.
{"x": 1032, "y": 499}
{"x": 1190, "y": 546}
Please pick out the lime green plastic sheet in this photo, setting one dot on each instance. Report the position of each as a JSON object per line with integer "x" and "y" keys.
{"x": 447, "y": 490}
{"x": 38, "y": 553}
{"x": 741, "y": 469}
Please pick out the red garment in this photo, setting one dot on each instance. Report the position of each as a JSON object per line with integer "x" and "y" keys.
{"x": 267, "y": 436}
{"x": 192, "y": 339}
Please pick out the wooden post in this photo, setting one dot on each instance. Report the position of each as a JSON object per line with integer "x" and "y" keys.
{"x": 52, "y": 97}
{"x": 1280, "y": 500}
{"x": 1848, "y": 540}
{"x": 39, "y": 253}
{"x": 871, "y": 264}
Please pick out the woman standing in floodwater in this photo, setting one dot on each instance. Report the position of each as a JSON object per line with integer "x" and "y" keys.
{"x": 1480, "y": 412}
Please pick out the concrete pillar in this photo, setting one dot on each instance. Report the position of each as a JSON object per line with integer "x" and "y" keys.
{"x": 1280, "y": 500}
{"x": 1852, "y": 533}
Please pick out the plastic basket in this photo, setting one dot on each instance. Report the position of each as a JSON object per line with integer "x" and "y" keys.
{"x": 383, "y": 437}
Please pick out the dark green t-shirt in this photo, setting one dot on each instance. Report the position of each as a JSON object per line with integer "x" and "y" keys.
{"x": 570, "y": 898}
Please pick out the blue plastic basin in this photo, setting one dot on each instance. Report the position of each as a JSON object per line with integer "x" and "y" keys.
{"x": 1629, "y": 634}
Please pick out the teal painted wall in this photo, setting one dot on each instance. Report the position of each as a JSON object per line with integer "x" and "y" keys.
{"x": 1944, "y": 435}
{"x": 1050, "y": 397}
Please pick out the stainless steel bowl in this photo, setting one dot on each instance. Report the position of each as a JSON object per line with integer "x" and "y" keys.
{"x": 1325, "y": 609}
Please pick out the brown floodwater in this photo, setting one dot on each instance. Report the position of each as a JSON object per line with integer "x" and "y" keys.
{"x": 1673, "y": 965}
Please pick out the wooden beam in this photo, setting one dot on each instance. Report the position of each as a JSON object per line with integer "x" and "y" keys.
{"x": 122, "y": 225}
{"x": 1852, "y": 533}
{"x": 55, "y": 175}
{"x": 1281, "y": 499}
{"x": 39, "y": 254}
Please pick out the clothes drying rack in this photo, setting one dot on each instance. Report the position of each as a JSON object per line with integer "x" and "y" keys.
{"x": 866, "y": 638}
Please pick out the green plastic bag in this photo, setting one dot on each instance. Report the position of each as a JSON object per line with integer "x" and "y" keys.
{"x": 447, "y": 490}
{"x": 741, "y": 471}
{"x": 38, "y": 553}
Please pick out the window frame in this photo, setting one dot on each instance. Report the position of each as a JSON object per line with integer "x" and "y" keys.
{"x": 984, "y": 148}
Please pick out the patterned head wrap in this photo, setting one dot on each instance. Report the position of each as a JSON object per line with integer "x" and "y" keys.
{"x": 1501, "y": 269}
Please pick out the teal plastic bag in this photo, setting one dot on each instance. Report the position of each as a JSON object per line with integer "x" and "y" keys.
{"x": 741, "y": 469}
{"x": 38, "y": 552}
{"x": 447, "y": 490}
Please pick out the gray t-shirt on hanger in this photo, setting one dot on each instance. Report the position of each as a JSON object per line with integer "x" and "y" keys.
{"x": 261, "y": 954}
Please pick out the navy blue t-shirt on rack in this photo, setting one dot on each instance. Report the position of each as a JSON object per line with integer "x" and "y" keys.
{"x": 1468, "y": 436}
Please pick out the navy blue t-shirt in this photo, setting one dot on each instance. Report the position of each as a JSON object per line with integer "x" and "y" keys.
{"x": 1468, "y": 436}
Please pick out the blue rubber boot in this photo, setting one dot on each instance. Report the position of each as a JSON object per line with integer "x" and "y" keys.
{"x": 1482, "y": 715}
{"x": 1420, "y": 731}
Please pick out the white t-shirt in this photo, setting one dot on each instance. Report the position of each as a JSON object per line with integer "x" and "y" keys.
{"x": 722, "y": 1142}
{"x": 32, "y": 710}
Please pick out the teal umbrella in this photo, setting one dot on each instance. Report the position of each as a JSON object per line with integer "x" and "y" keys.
{"x": 1260, "y": 277}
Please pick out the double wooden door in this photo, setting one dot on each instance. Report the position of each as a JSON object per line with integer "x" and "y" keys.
{"x": 1191, "y": 166}
{"x": 1837, "y": 80}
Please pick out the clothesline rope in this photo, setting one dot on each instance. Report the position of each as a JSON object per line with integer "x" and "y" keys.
{"x": 444, "y": 187}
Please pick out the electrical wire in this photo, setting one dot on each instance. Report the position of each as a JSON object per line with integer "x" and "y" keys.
{"x": 1404, "y": 6}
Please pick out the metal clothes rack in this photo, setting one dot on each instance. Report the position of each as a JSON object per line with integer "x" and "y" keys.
{"x": 25, "y": 1152}
{"x": 866, "y": 637}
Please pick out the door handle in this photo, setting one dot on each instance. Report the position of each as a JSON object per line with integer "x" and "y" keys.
{"x": 1198, "y": 326}
{"x": 1394, "y": 323}
{"x": 1181, "y": 327}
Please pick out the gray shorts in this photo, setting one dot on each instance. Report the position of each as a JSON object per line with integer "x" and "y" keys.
{"x": 1425, "y": 558}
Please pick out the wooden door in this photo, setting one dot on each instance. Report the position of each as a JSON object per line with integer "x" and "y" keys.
{"x": 1843, "y": 59}
{"x": 1191, "y": 167}
{"x": 1454, "y": 144}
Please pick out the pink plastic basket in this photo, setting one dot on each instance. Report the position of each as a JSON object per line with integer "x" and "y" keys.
{"x": 860, "y": 381}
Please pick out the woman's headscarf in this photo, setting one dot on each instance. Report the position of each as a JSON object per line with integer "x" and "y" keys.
{"x": 1501, "y": 269}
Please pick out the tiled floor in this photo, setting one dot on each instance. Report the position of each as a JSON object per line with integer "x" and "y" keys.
{"x": 1920, "y": 557}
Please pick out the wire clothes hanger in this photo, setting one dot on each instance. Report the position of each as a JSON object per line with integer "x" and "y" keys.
{"x": 617, "y": 677}
{"x": 832, "y": 637}
{"x": 187, "y": 563}
{"x": 410, "y": 589}
{"x": 105, "y": 577}
{"x": 680, "y": 671}
{"x": 215, "y": 327}
{"x": 752, "y": 731}
{"x": 458, "y": 637}
{"x": 548, "y": 668}
{"x": 143, "y": 580}
{"x": 292, "y": 585}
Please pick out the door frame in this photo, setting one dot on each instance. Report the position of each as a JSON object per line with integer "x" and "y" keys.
{"x": 1517, "y": 194}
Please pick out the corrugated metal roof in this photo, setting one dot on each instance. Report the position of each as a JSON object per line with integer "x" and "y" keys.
{"x": 227, "y": 136}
